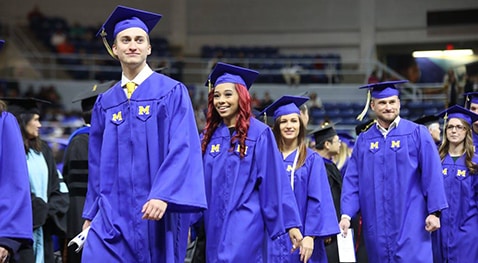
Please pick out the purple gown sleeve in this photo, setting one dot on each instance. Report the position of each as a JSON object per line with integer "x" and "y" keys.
{"x": 94, "y": 152}
{"x": 278, "y": 205}
{"x": 15, "y": 204}
{"x": 432, "y": 179}
{"x": 320, "y": 219}
{"x": 180, "y": 180}
{"x": 349, "y": 202}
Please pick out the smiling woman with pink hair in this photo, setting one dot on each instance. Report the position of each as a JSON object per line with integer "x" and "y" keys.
{"x": 249, "y": 199}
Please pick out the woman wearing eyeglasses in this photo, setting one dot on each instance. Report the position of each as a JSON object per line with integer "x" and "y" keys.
{"x": 456, "y": 240}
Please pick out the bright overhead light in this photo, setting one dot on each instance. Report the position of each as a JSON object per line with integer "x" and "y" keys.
{"x": 442, "y": 53}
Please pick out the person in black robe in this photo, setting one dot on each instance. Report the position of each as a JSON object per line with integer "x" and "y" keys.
{"x": 49, "y": 195}
{"x": 327, "y": 144}
{"x": 75, "y": 168}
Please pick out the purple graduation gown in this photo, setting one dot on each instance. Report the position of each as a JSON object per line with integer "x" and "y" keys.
{"x": 15, "y": 203}
{"x": 456, "y": 240}
{"x": 316, "y": 209}
{"x": 396, "y": 183}
{"x": 142, "y": 149}
{"x": 475, "y": 140}
{"x": 248, "y": 199}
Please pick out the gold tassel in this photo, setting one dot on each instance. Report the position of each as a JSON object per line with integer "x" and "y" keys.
{"x": 209, "y": 85}
{"x": 445, "y": 120}
{"x": 107, "y": 45}
{"x": 365, "y": 109}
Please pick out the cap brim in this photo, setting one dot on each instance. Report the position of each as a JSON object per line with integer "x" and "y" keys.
{"x": 247, "y": 75}
{"x": 385, "y": 83}
{"x": 94, "y": 91}
{"x": 284, "y": 100}
{"x": 458, "y": 112}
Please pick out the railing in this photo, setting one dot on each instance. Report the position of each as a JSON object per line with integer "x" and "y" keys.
{"x": 49, "y": 63}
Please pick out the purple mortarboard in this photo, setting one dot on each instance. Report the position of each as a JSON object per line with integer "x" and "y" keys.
{"x": 2, "y": 42}
{"x": 347, "y": 138}
{"x": 470, "y": 97}
{"x": 457, "y": 111}
{"x": 227, "y": 73}
{"x": 380, "y": 90}
{"x": 123, "y": 18}
{"x": 286, "y": 104}
{"x": 23, "y": 105}
{"x": 126, "y": 17}
{"x": 385, "y": 89}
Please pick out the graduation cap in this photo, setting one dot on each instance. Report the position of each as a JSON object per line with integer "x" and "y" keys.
{"x": 227, "y": 73}
{"x": 380, "y": 90}
{"x": 470, "y": 97}
{"x": 88, "y": 97}
{"x": 472, "y": 69}
{"x": 286, "y": 104}
{"x": 364, "y": 126}
{"x": 123, "y": 18}
{"x": 323, "y": 133}
{"x": 347, "y": 138}
{"x": 457, "y": 111}
{"x": 427, "y": 120}
{"x": 303, "y": 94}
{"x": 2, "y": 42}
{"x": 19, "y": 106}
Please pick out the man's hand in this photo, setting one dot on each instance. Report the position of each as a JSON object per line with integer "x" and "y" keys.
{"x": 295, "y": 238}
{"x": 432, "y": 223}
{"x": 328, "y": 241}
{"x": 154, "y": 209}
{"x": 3, "y": 255}
{"x": 306, "y": 248}
{"x": 344, "y": 225}
{"x": 86, "y": 224}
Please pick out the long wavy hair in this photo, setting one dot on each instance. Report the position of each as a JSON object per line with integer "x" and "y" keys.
{"x": 344, "y": 154}
{"x": 3, "y": 106}
{"x": 29, "y": 143}
{"x": 468, "y": 145}
{"x": 300, "y": 140}
{"x": 213, "y": 119}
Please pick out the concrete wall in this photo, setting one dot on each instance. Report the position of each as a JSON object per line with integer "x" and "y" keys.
{"x": 349, "y": 27}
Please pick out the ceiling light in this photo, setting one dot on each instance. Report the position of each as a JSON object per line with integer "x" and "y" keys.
{"x": 442, "y": 53}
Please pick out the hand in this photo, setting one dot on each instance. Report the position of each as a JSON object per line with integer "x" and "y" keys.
{"x": 306, "y": 248}
{"x": 344, "y": 225}
{"x": 86, "y": 224}
{"x": 3, "y": 255}
{"x": 154, "y": 209}
{"x": 295, "y": 238}
{"x": 328, "y": 241}
{"x": 432, "y": 223}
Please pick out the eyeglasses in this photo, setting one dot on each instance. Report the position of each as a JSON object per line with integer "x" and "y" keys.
{"x": 335, "y": 141}
{"x": 457, "y": 127}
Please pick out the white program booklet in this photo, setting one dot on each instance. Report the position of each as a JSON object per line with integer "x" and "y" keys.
{"x": 346, "y": 247}
{"x": 79, "y": 240}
